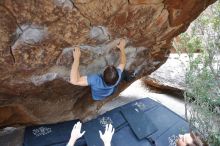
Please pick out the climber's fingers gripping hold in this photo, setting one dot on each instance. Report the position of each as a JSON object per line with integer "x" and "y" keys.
{"x": 121, "y": 43}
{"x": 76, "y": 52}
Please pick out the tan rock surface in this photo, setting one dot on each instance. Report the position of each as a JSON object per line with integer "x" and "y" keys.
{"x": 35, "y": 48}
{"x": 170, "y": 77}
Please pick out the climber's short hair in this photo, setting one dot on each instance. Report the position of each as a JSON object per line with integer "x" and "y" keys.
{"x": 110, "y": 75}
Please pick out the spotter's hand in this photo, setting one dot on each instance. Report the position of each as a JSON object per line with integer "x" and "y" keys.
{"x": 76, "y": 131}
{"x": 107, "y": 136}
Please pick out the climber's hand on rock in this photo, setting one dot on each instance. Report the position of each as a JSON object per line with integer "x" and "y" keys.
{"x": 76, "y": 53}
{"x": 121, "y": 44}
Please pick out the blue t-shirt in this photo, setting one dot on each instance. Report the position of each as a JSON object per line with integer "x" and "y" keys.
{"x": 99, "y": 88}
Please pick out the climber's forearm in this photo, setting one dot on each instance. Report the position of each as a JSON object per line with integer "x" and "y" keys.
{"x": 75, "y": 77}
{"x": 122, "y": 57}
{"x": 121, "y": 46}
{"x": 74, "y": 74}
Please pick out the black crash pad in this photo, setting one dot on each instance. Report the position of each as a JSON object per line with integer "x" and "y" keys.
{"x": 163, "y": 119}
{"x": 50, "y": 134}
{"x": 92, "y": 127}
{"x": 144, "y": 104}
{"x": 168, "y": 125}
{"x": 157, "y": 117}
{"x": 126, "y": 137}
{"x": 170, "y": 135}
{"x": 138, "y": 121}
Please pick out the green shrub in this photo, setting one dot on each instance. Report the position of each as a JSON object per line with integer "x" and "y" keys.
{"x": 202, "y": 95}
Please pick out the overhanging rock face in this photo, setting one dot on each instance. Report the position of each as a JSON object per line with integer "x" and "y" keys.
{"x": 36, "y": 54}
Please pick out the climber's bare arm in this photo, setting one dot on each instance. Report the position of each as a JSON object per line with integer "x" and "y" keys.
{"x": 75, "y": 77}
{"x": 121, "y": 46}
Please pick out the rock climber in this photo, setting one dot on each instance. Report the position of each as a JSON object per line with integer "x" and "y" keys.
{"x": 102, "y": 85}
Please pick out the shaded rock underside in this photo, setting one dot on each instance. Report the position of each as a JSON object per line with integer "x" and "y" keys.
{"x": 36, "y": 50}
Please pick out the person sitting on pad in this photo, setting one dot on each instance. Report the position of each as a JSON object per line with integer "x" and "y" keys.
{"x": 103, "y": 85}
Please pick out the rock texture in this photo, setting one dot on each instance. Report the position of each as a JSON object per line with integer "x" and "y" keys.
{"x": 36, "y": 54}
{"x": 170, "y": 77}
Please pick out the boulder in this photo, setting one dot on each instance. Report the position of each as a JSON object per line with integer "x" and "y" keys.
{"x": 170, "y": 77}
{"x": 37, "y": 39}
